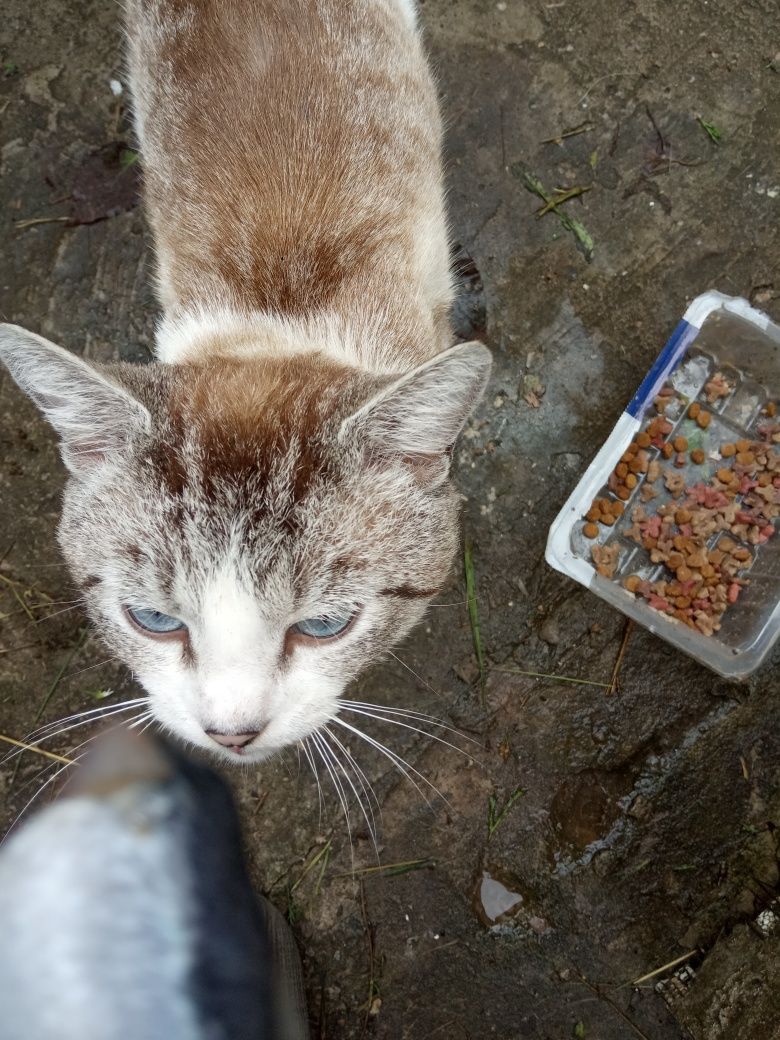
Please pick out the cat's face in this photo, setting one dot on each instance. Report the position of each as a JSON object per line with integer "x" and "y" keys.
{"x": 249, "y": 536}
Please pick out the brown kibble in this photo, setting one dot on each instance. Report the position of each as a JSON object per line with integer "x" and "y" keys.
{"x": 591, "y": 530}
{"x": 631, "y": 481}
{"x": 727, "y": 545}
{"x": 746, "y": 458}
{"x": 667, "y": 451}
{"x": 697, "y": 456}
{"x": 683, "y": 516}
{"x": 742, "y": 445}
{"x": 694, "y": 410}
{"x": 621, "y": 470}
{"x": 644, "y": 440}
{"x": 703, "y": 419}
{"x": 697, "y": 560}
{"x": 627, "y": 455}
{"x": 617, "y": 508}
{"x": 593, "y": 514}
{"x": 623, "y": 493}
{"x": 727, "y": 450}
{"x": 676, "y": 560}
{"x": 707, "y": 570}
{"x": 741, "y": 554}
{"x": 680, "y": 443}
{"x": 607, "y": 519}
{"x": 683, "y": 573}
{"x": 724, "y": 475}
{"x": 682, "y": 602}
{"x": 632, "y": 582}
{"x": 771, "y": 410}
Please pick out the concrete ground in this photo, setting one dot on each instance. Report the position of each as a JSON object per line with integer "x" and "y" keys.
{"x": 641, "y": 824}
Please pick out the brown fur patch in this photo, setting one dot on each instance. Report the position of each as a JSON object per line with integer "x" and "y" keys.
{"x": 249, "y": 421}
{"x": 409, "y": 592}
{"x": 291, "y": 155}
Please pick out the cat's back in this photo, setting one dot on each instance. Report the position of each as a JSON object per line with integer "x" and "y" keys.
{"x": 291, "y": 154}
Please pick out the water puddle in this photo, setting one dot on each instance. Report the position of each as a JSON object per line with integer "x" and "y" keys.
{"x": 495, "y": 901}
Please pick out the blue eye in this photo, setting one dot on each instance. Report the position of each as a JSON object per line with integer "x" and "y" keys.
{"x": 323, "y": 627}
{"x": 155, "y": 622}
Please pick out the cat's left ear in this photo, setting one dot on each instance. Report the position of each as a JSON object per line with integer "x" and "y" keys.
{"x": 419, "y": 416}
{"x": 96, "y": 418}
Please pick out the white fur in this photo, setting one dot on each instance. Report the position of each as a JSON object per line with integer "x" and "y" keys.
{"x": 361, "y": 341}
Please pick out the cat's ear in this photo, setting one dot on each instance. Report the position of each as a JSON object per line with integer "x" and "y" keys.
{"x": 96, "y": 418}
{"x": 419, "y": 416}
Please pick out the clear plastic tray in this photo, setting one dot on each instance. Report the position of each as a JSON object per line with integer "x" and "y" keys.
{"x": 717, "y": 333}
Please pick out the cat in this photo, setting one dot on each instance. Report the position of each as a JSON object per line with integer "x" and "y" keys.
{"x": 264, "y": 510}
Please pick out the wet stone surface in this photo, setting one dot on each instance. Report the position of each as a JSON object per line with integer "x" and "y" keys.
{"x": 646, "y": 830}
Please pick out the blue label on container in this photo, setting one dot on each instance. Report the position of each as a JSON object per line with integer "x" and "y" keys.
{"x": 666, "y": 362}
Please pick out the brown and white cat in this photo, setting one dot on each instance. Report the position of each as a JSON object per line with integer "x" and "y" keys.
{"x": 264, "y": 510}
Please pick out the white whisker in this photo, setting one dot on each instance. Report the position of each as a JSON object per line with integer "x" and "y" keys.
{"x": 415, "y": 729}
{"x": 87, "y": 714}
{"x": 42, "y": 788}
{"x": 139, "y": 720}
{"x": 418, "y": 677}
{"x": 416, "y": 716}
{"x": 51, "y": 731}
{"x": 324, "y": 751}
{"x": 371, "y": 824}
{"x": 48, "y": 617}
{"x": 89, "y": 667}
{"x": 311, "y": 760}
{"x": 401, "y": 764}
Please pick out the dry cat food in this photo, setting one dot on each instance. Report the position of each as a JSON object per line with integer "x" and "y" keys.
{"x": 705, "y": 533}
{"x": 676, "y": 522}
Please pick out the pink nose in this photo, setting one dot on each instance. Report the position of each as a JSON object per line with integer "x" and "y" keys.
{"x": 235, "y": 741}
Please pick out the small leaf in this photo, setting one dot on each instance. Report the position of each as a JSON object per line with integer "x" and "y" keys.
{"x": 711, "y": 130}
{"x": 533, "y": 390}
{"x": 579, "y": 1031}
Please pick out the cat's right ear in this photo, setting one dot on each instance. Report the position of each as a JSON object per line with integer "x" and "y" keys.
{"x": 96, "y": 418}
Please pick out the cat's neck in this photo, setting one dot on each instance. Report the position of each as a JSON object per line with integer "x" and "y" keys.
{"x": 372, "y": 341}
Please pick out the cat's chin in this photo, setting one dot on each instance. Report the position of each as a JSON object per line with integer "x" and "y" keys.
{"x": 246, "y": 756}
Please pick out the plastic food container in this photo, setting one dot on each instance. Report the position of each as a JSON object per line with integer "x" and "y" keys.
{"x": 718, "y": 334}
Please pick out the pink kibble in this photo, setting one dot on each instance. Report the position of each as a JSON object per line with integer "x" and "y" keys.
{"x": 733, "y": 593}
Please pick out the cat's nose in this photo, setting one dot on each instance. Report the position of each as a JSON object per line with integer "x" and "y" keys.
{"x": 234, "y": 741}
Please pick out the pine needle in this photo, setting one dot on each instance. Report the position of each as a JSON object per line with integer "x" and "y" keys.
{"x": 471, "y": 599}
{"x": 39, "y": 751}
{"x": 548, "y": 675}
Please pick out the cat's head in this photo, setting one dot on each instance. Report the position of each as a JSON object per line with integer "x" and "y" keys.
{"x": 249, "y": 535}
